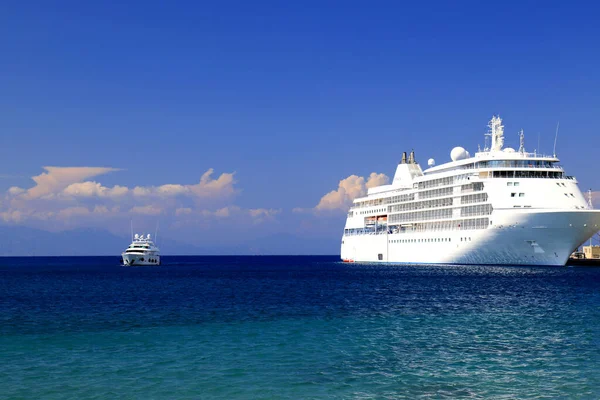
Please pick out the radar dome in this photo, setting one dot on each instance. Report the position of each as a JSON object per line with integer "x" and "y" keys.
{"x": 509, "y": 150}
{"x": 458, "y": 153}
{"x": 431, "y": 162}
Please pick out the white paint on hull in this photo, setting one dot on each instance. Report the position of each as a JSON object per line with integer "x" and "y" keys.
{"x": 140, "y": 259}
{"x": 516, "y": 238}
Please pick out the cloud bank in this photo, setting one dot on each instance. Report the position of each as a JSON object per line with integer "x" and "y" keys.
{"x": 69, "y": 195}
{"x": 55, "y": 179}
{"x": 204, "y": 211}
{"x": 340, "y": 199}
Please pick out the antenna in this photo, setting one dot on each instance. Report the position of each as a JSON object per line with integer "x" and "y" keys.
{"x": 555, "y": 137}
{"x": 156, "y": 234}
{"x": 521, "y": 142}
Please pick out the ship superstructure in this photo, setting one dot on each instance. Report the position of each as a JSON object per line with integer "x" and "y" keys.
{"x": 500, "y": 206}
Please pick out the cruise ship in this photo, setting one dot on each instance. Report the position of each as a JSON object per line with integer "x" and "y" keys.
{"x": 500, "y": 206}
{"x": 141, "y": 251}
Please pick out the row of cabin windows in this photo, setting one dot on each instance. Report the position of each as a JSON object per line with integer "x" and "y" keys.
{"x": 467, "y": 211}
{"x": 471, "y": 187}
{"x": 436, "y": 193}
{"x": 474, "y": 198}
{"x": 449, "y": 180}
{"x": 422, "y": 195}
{"x": 379, "y": 210}
{"x": 526, "y": 174}
{"x": 471, "y": 211}
{"x": 447, "y": 225}
{"x": 429, "y": 240}
{"x": 445, "y": 202}
{"x": 516, "y": 164}
{"x": 400, "y": 198}
{"x": 421, "y": 215}
{"x": 388, "y": 200}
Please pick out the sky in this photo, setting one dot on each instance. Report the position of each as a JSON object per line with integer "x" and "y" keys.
{"x": 228, "y": 120}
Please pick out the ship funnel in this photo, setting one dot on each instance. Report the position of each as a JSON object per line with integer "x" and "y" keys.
{"x": 411, "y": 158}
{"x": 403, "y": 158}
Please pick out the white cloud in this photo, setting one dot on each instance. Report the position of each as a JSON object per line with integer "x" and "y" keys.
{"x": 15, "y": 191}
{"x": 70, "y": 182}
{"x": 67, "y": 197}
{"x": 64, "y": 191}
{"x": 93, "y": 189}
{"x": 376, "y": 179}
{"x": 12, "y": 216}
{"x": 260, "y": 215}
{"x": 146, "y": 210}
{"x": 263, "y": 212}
{"x": 56, "y": 179}
{"x": 101, "y": 210}
{"x": 223, "y": 186}
{"x": 183, "y": 211}
{"x": 226, "y": 211}
{"x": 348, "y": 189}
{"x": 171, "y": 190}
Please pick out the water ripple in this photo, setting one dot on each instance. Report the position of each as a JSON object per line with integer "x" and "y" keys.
{"x": 296, "y": 327}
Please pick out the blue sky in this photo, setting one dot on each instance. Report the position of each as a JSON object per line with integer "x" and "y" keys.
{"x": 291, "y": 97}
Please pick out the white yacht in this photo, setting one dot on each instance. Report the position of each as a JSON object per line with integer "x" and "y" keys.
{"x": 500, "y": 206}
{"x": 141, "y": 251}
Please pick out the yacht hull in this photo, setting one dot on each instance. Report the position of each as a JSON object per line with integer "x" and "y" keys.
{"x": 529, "y": 237}
{"x": 132, "y": 260}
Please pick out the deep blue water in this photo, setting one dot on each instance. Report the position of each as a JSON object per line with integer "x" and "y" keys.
{"x": 295, "y": 327}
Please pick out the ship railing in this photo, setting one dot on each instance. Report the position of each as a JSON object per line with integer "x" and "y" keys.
{"x": 500, "y": 165}
{"x": 524, "y": 154}
{"x": 418, "y": 230}
{"x": 368, "y": 232}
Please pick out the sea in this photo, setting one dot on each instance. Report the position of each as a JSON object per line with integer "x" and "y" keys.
{"x": 293, "y": 327}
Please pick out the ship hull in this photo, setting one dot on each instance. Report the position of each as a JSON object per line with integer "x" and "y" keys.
{"x": 515, "y": 238}
{"x": 132, "y": 260}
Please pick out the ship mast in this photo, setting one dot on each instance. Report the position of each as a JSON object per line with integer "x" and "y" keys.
{"x": 496, "y": 132}
{"x": 591, "y": 206}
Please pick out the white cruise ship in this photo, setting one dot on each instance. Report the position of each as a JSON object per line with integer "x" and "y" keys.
{"x": 500, "y": 206}
{"x": 141, "y": 251}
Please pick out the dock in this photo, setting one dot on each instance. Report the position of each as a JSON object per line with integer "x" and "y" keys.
{"x": 583, "y": 262}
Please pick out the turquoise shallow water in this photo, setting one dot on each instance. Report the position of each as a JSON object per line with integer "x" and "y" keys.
{"x": 300, "y": 327}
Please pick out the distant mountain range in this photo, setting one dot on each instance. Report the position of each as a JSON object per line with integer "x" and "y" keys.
{"x": 23, "y": 241}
